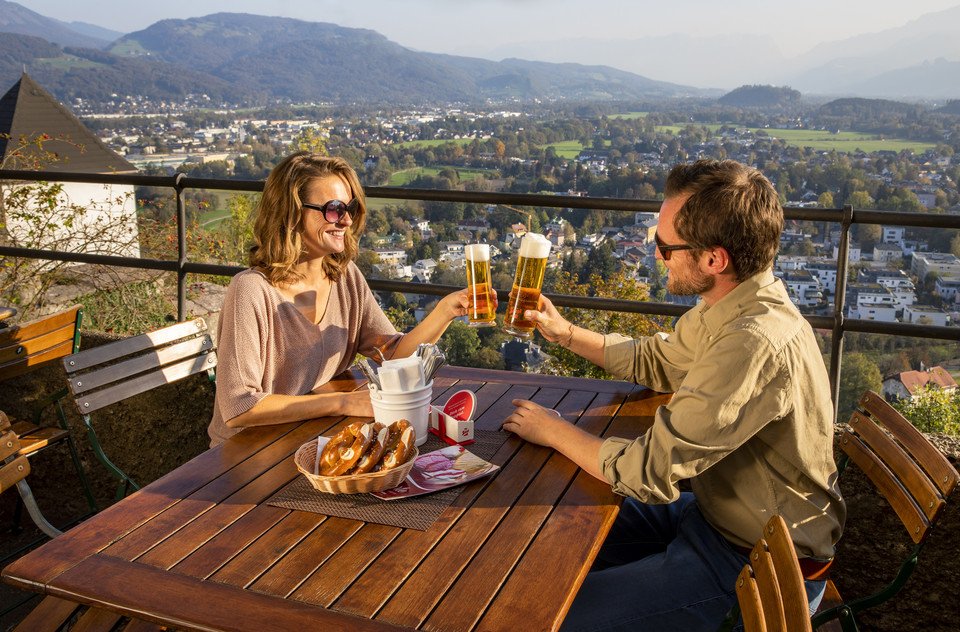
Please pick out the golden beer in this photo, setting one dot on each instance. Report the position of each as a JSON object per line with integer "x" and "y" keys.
{"x": 525, "y": 294}
{"x": 481, "y": 311}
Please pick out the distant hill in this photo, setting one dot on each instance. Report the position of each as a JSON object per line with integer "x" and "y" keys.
{"x": 952, "y": 107}
{"x": 15, "y": 18}
{"x": 868, "y": 108}
{"x": 318, "y": 61}
{"x": 760, "y": 97}
{"x": 96, "y": 75}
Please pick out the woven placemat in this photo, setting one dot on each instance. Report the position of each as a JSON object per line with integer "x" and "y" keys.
{"x": 418, "y": 512}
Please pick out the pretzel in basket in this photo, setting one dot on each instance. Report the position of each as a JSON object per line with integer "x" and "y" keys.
{"x": 367, "y": 447}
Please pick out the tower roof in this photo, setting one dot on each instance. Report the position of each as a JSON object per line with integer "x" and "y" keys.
{"x": 28, "y": 111}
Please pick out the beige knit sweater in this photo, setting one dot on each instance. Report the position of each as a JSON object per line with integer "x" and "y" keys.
{"x": 265, "y": 346}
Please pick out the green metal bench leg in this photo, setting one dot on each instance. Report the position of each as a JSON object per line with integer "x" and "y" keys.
{"x": 77, "y": 464}
{"x": 126, "y": 483}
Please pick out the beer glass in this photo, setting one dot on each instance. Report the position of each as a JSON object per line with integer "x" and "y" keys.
{"x": 525, "y": 294}
{"x": 481, "y": 312}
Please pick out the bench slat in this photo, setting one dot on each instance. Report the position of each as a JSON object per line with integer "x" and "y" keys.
{"x": 115, "y": 350}
{"x": 49, "y": 615}
{"x": 115, "y": 372}
{"x": 25, "y": 331}
{"x": 31, "y": 362}
{"x": 13, "y": 472}
{"x": 90, "y": 402}
{"x": 19, "y": 350}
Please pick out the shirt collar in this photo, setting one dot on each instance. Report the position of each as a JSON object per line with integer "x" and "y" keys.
{"x": 727, "y": 308}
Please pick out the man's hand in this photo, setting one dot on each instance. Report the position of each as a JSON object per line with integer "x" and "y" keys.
{"x": 534, "y": 423}
{"x": 549, "y": 322}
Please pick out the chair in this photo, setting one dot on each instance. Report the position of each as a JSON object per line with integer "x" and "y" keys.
{"x": 907, "y": 470}
{"x": 770, "y": 590}
{"x": 110, "y": 373}
{"x": 27, "y": 347}
{"x": 14, "y": 471}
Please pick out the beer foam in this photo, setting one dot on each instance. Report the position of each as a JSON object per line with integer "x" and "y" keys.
{"x": 534, "y": 246}
{"x": 477, "y": 252}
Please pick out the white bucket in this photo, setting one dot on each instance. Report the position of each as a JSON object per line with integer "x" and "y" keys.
{"x": 414, "y": 406}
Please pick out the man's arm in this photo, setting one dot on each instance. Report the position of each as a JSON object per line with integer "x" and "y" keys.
{"x": 555, "y": 328}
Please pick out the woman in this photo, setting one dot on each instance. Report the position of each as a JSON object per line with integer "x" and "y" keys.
{"x": 303, "y": 310}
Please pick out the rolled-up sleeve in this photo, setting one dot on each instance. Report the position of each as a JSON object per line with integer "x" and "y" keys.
{"x": 734, "y": 388}
{"x": 240, "y": 349}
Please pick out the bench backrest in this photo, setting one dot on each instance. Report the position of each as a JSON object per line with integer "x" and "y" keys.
{"x": 28, "y": 346}
{"x": 115, "y": 371}
{"x": 908, "y": 470}
{"x": 770, "y": 587}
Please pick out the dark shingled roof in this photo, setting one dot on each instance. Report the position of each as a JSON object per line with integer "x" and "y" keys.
{"x": 27, "y": 111}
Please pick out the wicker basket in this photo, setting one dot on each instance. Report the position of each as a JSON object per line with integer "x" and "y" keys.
{"x": 306, "y": 457}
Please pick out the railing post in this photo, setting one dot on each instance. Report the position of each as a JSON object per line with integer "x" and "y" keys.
{"x": 181, "y": 249}
{"x": 839, "y": 299}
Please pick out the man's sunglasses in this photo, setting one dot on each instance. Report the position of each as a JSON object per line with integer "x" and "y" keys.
{"x": 666, "y": 250}
{"x": 334, "y": 210}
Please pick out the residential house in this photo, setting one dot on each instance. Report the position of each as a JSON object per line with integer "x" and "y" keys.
{"x": 885, "y": 253}
{"x": 944, "y": 264}
{"x": 803, "y": 287}
{"x": 892, "y": 235}
{"x": 102, "y": 217}
{"x": 948, "y": 288}
{"x": 871, "y": 301}
{"x": 391, "y": 255}
{"x": 925, "y": 315}
{"x": 826, "y": 272}
{"x": 855, "y": 254}
{"x": 906, "y": 384}
{"x": 423, "y": 270}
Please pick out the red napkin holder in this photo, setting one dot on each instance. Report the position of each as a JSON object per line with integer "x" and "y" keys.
{"x": 454, "y": 422}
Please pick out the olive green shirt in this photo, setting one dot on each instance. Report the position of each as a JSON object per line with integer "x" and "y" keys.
{"x": 750, "y": 422}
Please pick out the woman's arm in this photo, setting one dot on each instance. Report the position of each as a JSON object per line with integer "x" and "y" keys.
{"x": 278, "y": 409}
{"x": 434, "y": 324}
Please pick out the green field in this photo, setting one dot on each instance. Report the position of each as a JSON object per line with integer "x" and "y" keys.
{"x": 404, "y": 177}
{"x": 847, "y": 142}
{"x": 413, "y": 144}
{"x": 629, "y": 115}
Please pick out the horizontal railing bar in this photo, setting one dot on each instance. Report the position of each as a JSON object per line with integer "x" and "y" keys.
{"x": 864, "y": 216}
{"x": 84, "y": 257}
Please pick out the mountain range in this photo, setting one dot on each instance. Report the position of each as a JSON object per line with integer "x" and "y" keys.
{"x": 242, "y": 58}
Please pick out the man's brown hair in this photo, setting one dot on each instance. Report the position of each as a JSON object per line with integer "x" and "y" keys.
{"x": 730, "y": 205}
{"x": 279, "y": 223}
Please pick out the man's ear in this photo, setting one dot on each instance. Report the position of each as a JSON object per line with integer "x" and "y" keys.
{"x": 716, "y": 260}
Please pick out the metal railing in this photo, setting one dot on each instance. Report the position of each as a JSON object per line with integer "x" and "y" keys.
{"x": 846, "y": 217}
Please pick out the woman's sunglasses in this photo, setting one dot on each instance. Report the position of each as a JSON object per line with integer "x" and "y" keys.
{"x": 334, "y": 210}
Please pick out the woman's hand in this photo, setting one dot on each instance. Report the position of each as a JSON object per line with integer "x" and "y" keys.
{"x": 357, "y": 404}
{"x": 534, "y": 423}
{"x": 548, "y": 320}
{"x": 457, "y": 303}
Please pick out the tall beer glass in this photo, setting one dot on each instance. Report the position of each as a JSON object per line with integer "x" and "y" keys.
{"x": 481, "y": 311}
{"x": 525, "y": 294}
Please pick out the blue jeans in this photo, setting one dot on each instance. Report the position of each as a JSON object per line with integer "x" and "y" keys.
{"x": 662, "y": 567}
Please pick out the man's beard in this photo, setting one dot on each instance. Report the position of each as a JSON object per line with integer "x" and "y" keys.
{"x": 694, "y": 282}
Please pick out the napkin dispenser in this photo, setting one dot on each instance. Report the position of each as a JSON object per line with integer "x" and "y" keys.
{"x": 454, "y": 422}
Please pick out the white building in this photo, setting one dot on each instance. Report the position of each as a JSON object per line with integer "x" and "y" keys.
{"x": 855, "y": 253}
{"x": 871, "y": 302}
{"x": 943, "y": 263}
{"x": 892, "y": 235}
{"x": 925, "y": 315}
{"x": 826, "y": 273}
{"x": 884, "y": 253}
{"x": 948, "y": 288}
{"x": 804, "y": 288}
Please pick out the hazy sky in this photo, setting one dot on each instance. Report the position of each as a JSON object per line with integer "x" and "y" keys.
{"x": 481, "y": 27}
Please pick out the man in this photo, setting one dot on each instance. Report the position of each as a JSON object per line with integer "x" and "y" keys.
{"x": 750, "y": 423}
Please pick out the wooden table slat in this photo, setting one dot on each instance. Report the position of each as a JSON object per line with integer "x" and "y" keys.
{"x": 136, "y": 590}
{"x": 255, "y": 559}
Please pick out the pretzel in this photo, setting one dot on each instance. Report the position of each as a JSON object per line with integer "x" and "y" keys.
{"x": 372, "y": 456}
{"x": 330, "y": 457}
{"x": 348, "y": 458}
{"x": 399, "y": 445}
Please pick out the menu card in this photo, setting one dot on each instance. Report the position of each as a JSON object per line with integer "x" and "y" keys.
{"x": 440, "y": 469}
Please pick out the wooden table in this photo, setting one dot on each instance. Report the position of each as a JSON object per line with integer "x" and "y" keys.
{"x": 200, "y": 549}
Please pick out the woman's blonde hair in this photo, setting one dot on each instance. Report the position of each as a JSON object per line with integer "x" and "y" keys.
{"x": 278, "y": 227}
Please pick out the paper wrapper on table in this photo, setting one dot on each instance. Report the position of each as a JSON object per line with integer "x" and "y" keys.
{"x": 454, "y": 422}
